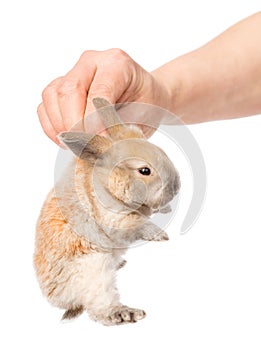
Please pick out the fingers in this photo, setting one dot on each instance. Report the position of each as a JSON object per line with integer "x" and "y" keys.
{"x": 73, "y": 91}
{"x": 64, "y": 102}
{"x": 64, "y": 99}
{"x": 46, "y": 124}
{"x": 51, "y": 105}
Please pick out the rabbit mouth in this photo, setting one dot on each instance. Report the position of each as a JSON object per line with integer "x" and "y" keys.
{"x": 146, "y": 210}
{"x": 142, "y": 208}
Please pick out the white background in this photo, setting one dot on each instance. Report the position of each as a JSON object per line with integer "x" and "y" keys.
{"x": 201, "y": 290}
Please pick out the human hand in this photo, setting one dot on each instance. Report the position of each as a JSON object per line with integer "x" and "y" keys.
{"x": 111, "y": 74}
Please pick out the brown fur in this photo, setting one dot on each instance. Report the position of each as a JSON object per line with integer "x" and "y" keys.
{"x": 55, "y": 240}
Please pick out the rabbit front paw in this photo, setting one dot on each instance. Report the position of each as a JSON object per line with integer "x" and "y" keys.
{"x": 151, "y": 232}
{"x": 125, "y": 314}
{"x": 156, "y": 236}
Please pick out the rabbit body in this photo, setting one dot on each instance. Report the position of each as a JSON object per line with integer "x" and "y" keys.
{"x": 99, "y": 207}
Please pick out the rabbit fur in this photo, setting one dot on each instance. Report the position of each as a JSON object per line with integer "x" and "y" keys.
{"x": 100, "y": 206}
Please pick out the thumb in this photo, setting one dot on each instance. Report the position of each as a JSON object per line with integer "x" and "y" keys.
{"x": 109, "y": 82}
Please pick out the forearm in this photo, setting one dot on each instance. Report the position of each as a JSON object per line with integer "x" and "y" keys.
{"x": 220, "y": 80}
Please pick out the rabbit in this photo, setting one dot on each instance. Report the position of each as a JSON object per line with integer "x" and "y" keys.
{"x": 99, "y": 207}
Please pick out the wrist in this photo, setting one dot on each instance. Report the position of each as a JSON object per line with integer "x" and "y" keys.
{"x": 171, "y": 81}
{"x": 186, "y": 83}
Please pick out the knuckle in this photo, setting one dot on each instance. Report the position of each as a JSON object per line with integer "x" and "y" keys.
{"x": 40, "y": 109}
{"x": 67, "y": 87}
{"x": 119, "y": 58}
{"x": 46, "y": 92}
{"x": 118, "y": 53}
{"x": 87, "y": 54}
{"x": 51, "y": 88}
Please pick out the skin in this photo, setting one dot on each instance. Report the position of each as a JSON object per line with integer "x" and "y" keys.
{"x": 221, "y": 80}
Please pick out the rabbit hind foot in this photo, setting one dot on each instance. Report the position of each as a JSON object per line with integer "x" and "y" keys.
{"x": 72, "y": 313}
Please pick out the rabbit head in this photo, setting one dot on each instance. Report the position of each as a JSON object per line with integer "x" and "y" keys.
{"x": 130, "y": 169}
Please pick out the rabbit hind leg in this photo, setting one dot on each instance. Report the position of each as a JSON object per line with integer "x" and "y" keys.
{"x": 73, "y": 313}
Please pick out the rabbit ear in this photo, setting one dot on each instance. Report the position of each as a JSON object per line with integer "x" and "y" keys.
{"x": 112, "y": 121}
{"x": 85, "y": 145}
{"x": 110, "y": 118}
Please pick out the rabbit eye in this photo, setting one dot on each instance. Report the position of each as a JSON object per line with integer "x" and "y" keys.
{"x": 144, "y": 171}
